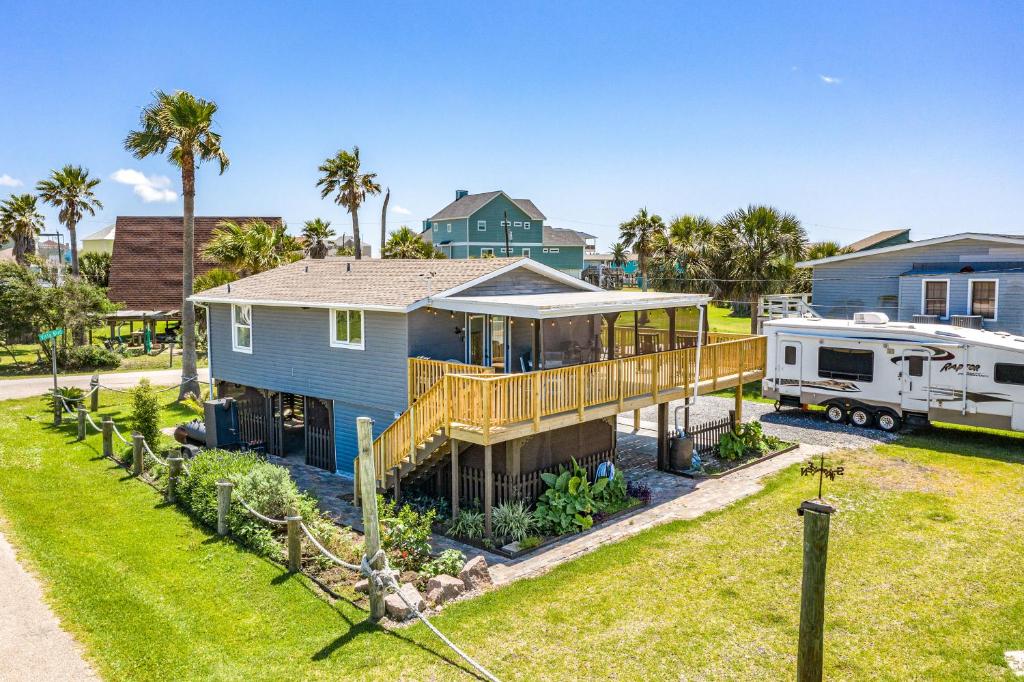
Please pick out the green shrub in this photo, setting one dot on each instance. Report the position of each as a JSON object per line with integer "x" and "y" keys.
{"x": 405, "y": 534}
{"x": 468, "y": 524}
{"x": 529, "y": 542}
{"x": 614, "y": 496}
{"x": 87, "y": 357}
{"x": 72, "y": 395}
{"x": 145, "y": 416}
{"x": 450, "y": 562}
{"x": 747, "y": 439}
{"x": 513, "y": 520}
{"x": 570, "y": 501}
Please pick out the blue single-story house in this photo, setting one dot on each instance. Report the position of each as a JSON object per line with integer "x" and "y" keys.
{"x": 969, "y": 273}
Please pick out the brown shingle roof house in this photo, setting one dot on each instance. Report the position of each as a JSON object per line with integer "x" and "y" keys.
{"x": 145, "y": 273}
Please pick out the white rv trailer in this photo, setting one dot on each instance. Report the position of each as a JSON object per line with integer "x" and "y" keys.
{"x": 873, "y": 372}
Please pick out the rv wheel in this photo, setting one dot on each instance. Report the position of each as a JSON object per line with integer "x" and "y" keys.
{"x": 835, "y": 414}
{"x": 888, "y": 422}
{"x": 860, "y": 417}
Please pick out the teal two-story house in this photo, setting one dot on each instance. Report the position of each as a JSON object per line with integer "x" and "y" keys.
{"x": 494, "y": 224}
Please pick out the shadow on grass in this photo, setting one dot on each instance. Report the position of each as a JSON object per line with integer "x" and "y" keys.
{"x": 966, "y": 441}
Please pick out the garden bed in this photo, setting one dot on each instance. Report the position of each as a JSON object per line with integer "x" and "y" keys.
{"x": 715, "y": 467}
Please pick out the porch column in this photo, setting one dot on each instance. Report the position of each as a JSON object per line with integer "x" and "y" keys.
{"x": 488, "y": 489}
{"x": 537, "y": 340}
{"x": 671, "y": 312}
{"x": 610, "y": 319}
{"x": 636, "y": 332}
{"x": 662, "y": 436}
{"x": 456, "y": 478}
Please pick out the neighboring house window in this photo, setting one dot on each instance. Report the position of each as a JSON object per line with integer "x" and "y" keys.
{"x": 347, "y": 329}
{"x": 790, "y": 355}
{"x": 1009, "y": 374}
{"x": 486, "y": 252}
{"x": 935, "y": 297}
{"x": 481, "y": 225}
{"x": 449, "y": 227}
{"x": 241, "y": 328}
{"x": 526, "y": 253}
{"x": 552, "y": 250}
{"x": 517, "y": 224}
{"x": 983, "y": 294}
{"x": 526, "y": 225}
{"x": 505, "y": 223}
{"x": 851, "y": 364}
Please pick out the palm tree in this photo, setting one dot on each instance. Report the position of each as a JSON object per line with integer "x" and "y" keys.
{"x": 215, "y": 278}
{"x": 252, "y": 247}
{"x": 405, "y": 243}
{"x": 620, "y": 255}
{"x": 21, "y": 221}
{"x": 825, "y": 249}
{"x": 766, "y": 244}
{"x": 341, "y": 176}
{"x": 71, "y": 190}
{"x": 638, "y": 233}
{"x": 317, "y": 233}
{"x": 180, "y": 125}
{"x": 384, "y": 220}
{"x": 702, "y": 255}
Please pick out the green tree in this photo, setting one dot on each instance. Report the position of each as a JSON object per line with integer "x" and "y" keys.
{"x": 214, "y": 278}
{"x": 342, "y": 176}
{"x": 405, "y": 243}
{"x": 766, "y": 245}
{"x": 701, "y": 254}
{"x": 95, "y": 268}
{"x": 70, "y": 190}
{"x": 252, "y": 247}
{"x": 181, "y": 125}
{"x": 19, "y": 298}
{"x": 317, "y": 233}
{"x": 639, "y": 234}
{"x": 620, "y": 255}
{"x": 21, "y": 222}
{"x": 145, "y": 415}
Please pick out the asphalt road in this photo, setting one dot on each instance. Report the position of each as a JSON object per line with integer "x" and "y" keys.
{"x": 37, "y": 386}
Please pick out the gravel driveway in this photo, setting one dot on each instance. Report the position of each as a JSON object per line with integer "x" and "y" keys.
{"x": 792, "y": 425}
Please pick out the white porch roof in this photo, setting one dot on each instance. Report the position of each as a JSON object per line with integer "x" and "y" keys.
{"x": 543, "y": 306}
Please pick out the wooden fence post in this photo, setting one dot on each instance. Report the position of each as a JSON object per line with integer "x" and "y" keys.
{"x": 294, "y": 541}
{"x": 456, "y": 478}
{"x": 535, "y": 381}
{"x": 174, "y": 465}
{"x": 738, "y": 396}
{"x": 137, "y": 454}
{"x": 368, "y": 491}
{"x": 108, "y": 436}
{"x": 58, "y": 408}
{"x": 581, "y": 392}
{"x": 94, "y": 398}
{"x": 812, "y": 596}
{"x": 488, "y": 489}
{"x": 81, "y": 422}
{"x": 224, "y": 489}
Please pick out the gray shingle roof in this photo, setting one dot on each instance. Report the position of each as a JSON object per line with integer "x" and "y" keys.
{"x": 389, "y": 283}
{"x": 558, "y": 236}
{"x": 471, "y": 203}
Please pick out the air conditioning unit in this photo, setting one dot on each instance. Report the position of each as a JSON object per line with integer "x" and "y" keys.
{"x": 967, "y": 321}
{"x": 870, "y": 318}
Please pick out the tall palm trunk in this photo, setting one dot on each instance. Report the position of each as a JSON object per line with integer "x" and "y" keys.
{"x": 384, "y": 221}
{"x": 72, "y": 227}
{"x": 355, "y": 235}
{"x": 190, "y": 382}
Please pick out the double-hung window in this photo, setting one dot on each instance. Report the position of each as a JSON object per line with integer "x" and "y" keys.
{"x": 935, "y": 297}
{"x": 347, "y": 329}
{"x": 983, "y": 294}
{"x": 486, "y": 252}
{"x": 517, "y": 223}
{"x": 526, "y": 225}
{"x": 526, "y": 253}
{"x": 241, "y": 328}
{"x": 481, "y": 226}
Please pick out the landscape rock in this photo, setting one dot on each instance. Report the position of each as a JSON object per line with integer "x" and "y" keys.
{"x": 362, "y": 586}
{"x": 443, "y": 588}
{"x": 397, "y": 609}
{"x": 475, "y": 574}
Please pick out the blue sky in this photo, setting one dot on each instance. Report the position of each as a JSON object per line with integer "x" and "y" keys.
{"x": 856, "y": 117}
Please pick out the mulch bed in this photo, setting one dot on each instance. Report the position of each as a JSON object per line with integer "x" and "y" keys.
{"x": 717, "y": 468}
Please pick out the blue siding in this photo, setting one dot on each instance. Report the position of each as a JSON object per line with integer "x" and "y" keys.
{"x": 346, "y": 443}
{"x": 1009, "y": 298}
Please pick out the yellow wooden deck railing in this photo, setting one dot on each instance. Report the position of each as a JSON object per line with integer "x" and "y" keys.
{"x": 424, "y": 373}
{"x": 485, "y": 402}
{"x": 655, "y": 340}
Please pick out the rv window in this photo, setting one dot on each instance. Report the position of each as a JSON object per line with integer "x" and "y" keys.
{"x": 851, "y": 364}
{"x": 790, "y": 355}
{"x": 915, "y": 366}
{"x": 1009, "y": 374}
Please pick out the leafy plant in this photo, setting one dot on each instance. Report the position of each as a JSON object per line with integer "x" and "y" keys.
{"x": 731, "y": 446}
{"x": 570, "y": 501}
{"x": 424, "y": 503}
{"x": 529, "y": 542}
{"x": 72, "y": 395}
{"x": 639, "y": 490}
{"x": 468, "y": 524}
{"x": 145, "y": 416}
{"x": 95, "y": 268}
{"x": 87, "y": 357}
{"x": 450, "y": 562}
{"x": 748, "y": 438}
{"x": 405, "y": 534}
{"x": 513, "y": 520}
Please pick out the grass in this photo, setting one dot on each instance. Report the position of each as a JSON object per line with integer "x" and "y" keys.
{"x": 925, "y": 576}
{"x": 720, "y": 319}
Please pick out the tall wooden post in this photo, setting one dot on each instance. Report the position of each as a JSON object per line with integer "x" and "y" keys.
{"x": 108, "y": 437}
{"x": 94, "y": 397}
{"x": 174, "y": 464}
{"x": 812, "y": 596}
{"x": 456, "y": 478}
{"x": 662, "y": 436}
{"x": 137, "y": 454}
{"x": 610, "y": 319}
{"x": 224, "y": 489}
{"x": 671, "y": 312}
{"x": 294, "y": 541}
{"x": 81, "y": 422}
{"x": 488, "y": 489}
{"x": 738, "y": 396}
{"x": 368, "y": 491}
{"x": 58, "y": 406}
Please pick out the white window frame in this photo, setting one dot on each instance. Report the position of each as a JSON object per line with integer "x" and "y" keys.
{"x": 970, "y": 298}
{"x": 449, "y": 227}
{"x": 526, "y": 252}
{"x": 526, "y": 224}
{"x": 553, "y": 249}
{"x": 335, "y": 343}
{"x": 481, "y": 226}
{"x": 486, "y": 250}
{"x": 236, "y": 325}
{"x": 517, "y": 223}
{"x": 505, "y": 223}
{"x": 924, "y": 289}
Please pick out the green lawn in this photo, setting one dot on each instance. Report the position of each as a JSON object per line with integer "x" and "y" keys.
{"x": 720, "y": 319}
{"x": 925, "y": 580}
{"x": 28, "y": 356}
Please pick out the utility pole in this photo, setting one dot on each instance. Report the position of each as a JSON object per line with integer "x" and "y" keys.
{"x": 508, "y": 236}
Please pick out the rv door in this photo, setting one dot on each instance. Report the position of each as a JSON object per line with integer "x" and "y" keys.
{"x": 789, "y": 365}
{"x": 915, "y": 381}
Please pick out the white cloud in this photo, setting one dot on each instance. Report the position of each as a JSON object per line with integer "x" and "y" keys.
{"x": 829, "y": 80}
{"x": 7, "y": 181}
{"x": 149, "y": 188}
{"x": 400, "y": 210}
